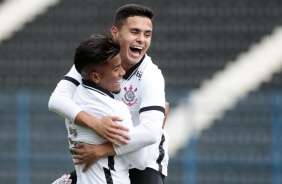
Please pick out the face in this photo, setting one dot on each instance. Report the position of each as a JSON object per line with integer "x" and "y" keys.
{"x": 134, "y": 38}
{"x": 111, "y": 74}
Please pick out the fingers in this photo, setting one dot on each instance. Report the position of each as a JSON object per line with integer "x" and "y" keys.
{"x": 115, "y": 118}
{"x": 114, "y": 142}
{"x": 118, "y": 137}
{"x": 79, "y": 145}
{"x": 119, "y": 127}
{"x": 118, "y": 134}
{"x": 112, "y": 131}
{"x": 78, "y": 162}
{"x": 76, "y": 150}
{"x": 86, "y": 167}
{"x": 78, "y": 153}
{"x": 79, "y": 157}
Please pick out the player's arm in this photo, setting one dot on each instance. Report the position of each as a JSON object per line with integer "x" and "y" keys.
{"x": 148, "y": 132}
{"x": 61, "y": 103}
{"x": 90, "y": 154}
{"x": 87, "y": 153}
{"x": 151, "y": 114}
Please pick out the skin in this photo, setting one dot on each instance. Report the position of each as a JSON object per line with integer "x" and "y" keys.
{"x": 109, "y": 76}
{"x": 136, "y": 33}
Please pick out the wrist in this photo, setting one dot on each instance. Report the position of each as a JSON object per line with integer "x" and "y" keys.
{"x": 86, "y": 120}
{"x": 106, "y": 149}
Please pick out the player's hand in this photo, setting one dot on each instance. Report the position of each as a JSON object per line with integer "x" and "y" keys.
{"x": 166, "y": 113}
{"x": 112, "y": 131}
{"x": 85, "y": 154}
{"x": 106, "y": 127}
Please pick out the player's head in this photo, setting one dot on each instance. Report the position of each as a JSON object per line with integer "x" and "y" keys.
{"x": 97, "y": 59}
{"x": 133, "y": 29}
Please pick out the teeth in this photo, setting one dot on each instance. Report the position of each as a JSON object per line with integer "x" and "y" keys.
{"x": 137, "y": 47}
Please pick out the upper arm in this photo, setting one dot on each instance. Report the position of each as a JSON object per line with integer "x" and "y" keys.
{"x": 153, "y": 100}
{"x": 151, "y": 116}
{"x": 61, "y": 101}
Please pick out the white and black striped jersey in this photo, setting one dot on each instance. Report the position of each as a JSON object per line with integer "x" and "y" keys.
{"x": 142, "y": 90}
{"x": 113, "y": 169}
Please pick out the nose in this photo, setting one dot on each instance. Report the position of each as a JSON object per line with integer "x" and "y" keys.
{"x": 122, "y": 71}
{"x": 141, "y": 38}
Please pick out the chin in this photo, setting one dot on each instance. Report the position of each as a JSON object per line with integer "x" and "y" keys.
{"x": 116, "y": 92}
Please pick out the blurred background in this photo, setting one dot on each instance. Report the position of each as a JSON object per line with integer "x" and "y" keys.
{"x": 222, "y": 64}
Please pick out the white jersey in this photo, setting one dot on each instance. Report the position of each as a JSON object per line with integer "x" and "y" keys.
{"x": 142, "y": 90}
{"x": 99, "y": 103}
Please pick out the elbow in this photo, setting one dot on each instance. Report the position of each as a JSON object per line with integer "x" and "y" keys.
{"x": 155, "y": 135}
{"x": 50, "y": 104}
{"x": 53, "y": 103}
{"x": 155, "y": 139}
{"x": 143, "y": 161}
{"x": 142, "y": 166}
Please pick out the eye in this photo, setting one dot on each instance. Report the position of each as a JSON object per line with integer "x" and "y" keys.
{"x": 116, "y": 69}
{"x": 148, "y": 34}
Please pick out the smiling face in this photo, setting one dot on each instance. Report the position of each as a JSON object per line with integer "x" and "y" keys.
{"x": 134, "y": 38}
{"x": 109, "y": 75}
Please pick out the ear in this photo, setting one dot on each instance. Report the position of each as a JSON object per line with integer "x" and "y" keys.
{"x": 94, "y": 77}
{"x": 114, "y": 32}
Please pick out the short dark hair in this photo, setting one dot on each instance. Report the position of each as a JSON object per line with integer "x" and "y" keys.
{"x": 130, "y": 10}
{"x": 95, "y": 49}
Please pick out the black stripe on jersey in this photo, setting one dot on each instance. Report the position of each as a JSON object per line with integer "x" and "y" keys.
{"x": 111, "y": 163}
{"x": 157, "y": 108}
{"x": 75, "y": 82}
{"x": 161, "y": 154}
{"x": 94, "y": 87}
{"x": 133, "y": 70}
{"x": 108, "y": 176}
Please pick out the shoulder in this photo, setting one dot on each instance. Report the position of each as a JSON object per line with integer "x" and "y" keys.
{"x": 152, "y": 74}
{"x": 151, "y": 69}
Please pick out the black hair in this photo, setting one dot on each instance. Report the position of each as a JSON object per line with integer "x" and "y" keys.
{"x": 130, "y": 10}
{"x": 97, "y": 50}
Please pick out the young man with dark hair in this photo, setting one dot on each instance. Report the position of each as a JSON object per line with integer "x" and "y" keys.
{"x": 142, "y": 90}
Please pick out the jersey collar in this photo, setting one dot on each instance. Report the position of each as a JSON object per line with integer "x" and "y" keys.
{"x": 132, "y": 70}
{"x": 90, "y": 85}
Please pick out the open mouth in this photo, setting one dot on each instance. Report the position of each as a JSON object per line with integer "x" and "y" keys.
{"x": 136, "y": 49}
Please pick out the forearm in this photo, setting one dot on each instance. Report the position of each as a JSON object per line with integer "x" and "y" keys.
{"x": 86, "y": 120}
{"x": 61, "y": 101}
{"x": 64, "y": 107}
{"x": 85, "y": 151}
{"x": 105, "y": 149}
{"x": 148, "y": 132}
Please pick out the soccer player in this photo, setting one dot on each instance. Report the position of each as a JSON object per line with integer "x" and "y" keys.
{"x": 98, "y": 61}
{"x": 142, "y": 90}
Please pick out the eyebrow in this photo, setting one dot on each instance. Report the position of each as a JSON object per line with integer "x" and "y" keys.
{"x": 117, "y": 66}
{"x": 137, "y": 29}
